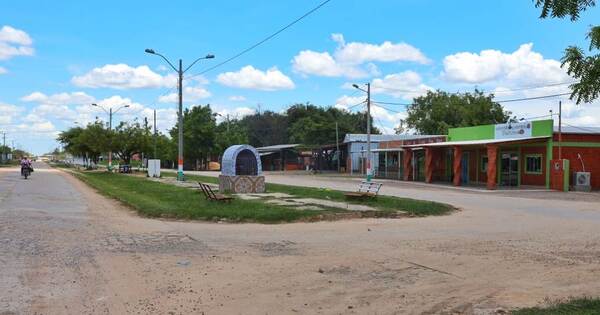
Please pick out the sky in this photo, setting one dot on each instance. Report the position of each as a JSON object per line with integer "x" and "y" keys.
{"x": 59, "y": 57}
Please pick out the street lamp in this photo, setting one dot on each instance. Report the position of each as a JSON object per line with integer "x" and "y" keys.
{"x": 180, "y": 71}
{"x": 110, "y": 115}
{"x": 368, "y": 91}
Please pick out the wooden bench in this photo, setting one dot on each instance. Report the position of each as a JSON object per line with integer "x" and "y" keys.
{"x": 365, "y": 190}
{"x": 211, "y": 195}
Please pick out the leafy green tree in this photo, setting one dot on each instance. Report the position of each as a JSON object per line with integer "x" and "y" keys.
{"x": 267, "y": 128}
{"x": 129, "y": 139}
{"x": 229, "y": 133}
{"x": 436, "y": 112}
{"x": 585, "y": 68}
{"x": 199, "y": 130}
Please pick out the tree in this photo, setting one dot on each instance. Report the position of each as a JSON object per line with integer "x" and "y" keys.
{"x": 199, "y": 126}
{"x": 436, "y": 112}
{"x": 586, "y": 69}
{"x": 229, "y": 133}
{"x": 129, "y": 139}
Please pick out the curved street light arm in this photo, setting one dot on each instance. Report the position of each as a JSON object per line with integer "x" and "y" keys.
{"x": 118, "y": 109}
{"x": 193, "y": 63}
{"x": 167, "y": 60}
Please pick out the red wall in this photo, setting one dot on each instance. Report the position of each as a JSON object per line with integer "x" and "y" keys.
{"x": 533, "y": 179}
{"x": 591, "y": 159}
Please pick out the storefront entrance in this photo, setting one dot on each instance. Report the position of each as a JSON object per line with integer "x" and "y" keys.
{"x": 464, "y": 168}
{"x": 509, "y": 169}
{"x": 419, "y": 166}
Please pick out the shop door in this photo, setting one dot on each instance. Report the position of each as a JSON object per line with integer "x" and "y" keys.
{"x": 509, "y": 169}
{"x": 419, "y": 166}
{"x": 464, "y": 168}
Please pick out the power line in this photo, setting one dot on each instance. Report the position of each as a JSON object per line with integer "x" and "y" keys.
{"x": 535, "y": 87}
{"x": 264, "y": 40}
{"x": 532, "y": 98}
{"x": 392, "y": 103}
{"x": 391, "y": 110}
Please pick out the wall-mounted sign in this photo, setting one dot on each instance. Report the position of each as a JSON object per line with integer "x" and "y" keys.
{"x": 513, "y": 130}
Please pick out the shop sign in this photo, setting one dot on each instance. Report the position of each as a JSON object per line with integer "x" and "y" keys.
{"x": 513, "y": 130}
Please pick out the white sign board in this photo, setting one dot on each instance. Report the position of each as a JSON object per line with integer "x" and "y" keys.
{"x": 513, "y": 130}
{"x": 153, "y": 168}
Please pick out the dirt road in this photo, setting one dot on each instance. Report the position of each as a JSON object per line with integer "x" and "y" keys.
{"x": 66, "y": 250}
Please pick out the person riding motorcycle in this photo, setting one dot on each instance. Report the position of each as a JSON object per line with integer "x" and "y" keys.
{"x": 25, "y": 163}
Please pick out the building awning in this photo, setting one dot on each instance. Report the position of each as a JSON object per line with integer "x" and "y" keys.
{"x": 387, "y": 150}
{"x": 275, "y": 148}
{"x": 476, "y": 142}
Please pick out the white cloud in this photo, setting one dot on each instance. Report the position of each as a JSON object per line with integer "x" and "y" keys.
{"x": 14, "y": 42}
{"x": 236, "y": 113}
{"x": 358, "y": 53}
{"x": 348, "y": 58}
{"x": 122, "y": 76}
{"x": 406, "y": 85}
{"x": 73, "y": 98}
{"x": 251, "y": 78}
{"x": 237, "y": 98}
{"x": 190, "y": 94}
{"x": 523, "y": 66}
{"x": 3, "y": 70}
{"x": 345, "y": 102}
{"x": 8, "y": 112}
{"x": 323, "y": 64}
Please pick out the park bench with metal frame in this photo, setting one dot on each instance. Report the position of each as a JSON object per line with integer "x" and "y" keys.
{"x": 365, "y": 190}
{"x": 211, "y": 195}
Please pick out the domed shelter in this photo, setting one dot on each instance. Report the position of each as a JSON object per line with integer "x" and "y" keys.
{"x": 241, "y": 170}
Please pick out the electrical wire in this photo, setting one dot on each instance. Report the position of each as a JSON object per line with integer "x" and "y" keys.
{"x": 535, "y": 87}
{"x": 264, "y": 40}
{"x": 532, "y": 98}
{"x": 391, "y": 110}
{"x": 583, "y": 128}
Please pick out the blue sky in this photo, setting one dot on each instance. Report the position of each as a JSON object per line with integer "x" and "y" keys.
{"x": 58, "y": 57}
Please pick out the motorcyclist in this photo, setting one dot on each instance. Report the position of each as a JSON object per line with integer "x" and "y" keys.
{"x": 25, "y": 163}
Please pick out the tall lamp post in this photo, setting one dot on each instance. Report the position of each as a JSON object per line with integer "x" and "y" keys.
{"x": 180, "y": 71}
{"x": 368, "y": 91}
{"x": 110, "y": 115}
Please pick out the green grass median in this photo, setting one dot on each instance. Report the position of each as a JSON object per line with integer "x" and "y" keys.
{"x": 575, "y": 306}
{"x": 155, "y": 199}
{"x": 382, "y": 203}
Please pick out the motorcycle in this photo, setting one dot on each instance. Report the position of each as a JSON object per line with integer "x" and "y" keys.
{"x": 26, "y": 172}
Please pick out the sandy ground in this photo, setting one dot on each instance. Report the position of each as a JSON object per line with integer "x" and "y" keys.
{"x": 66, "y": 250}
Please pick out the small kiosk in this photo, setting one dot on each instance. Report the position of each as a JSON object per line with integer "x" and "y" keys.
{"x": 241, "y": 170}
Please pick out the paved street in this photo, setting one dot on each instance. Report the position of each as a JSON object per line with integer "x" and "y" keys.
{"x": 67, "y": 250}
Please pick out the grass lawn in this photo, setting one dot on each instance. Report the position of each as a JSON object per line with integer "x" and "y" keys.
{"x": 386, "y": 204}
{"x": 155, "y": 199}
{"x": 579, "y": 306}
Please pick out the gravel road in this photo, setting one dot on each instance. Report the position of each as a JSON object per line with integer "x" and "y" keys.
{"x": 64, "y": 249}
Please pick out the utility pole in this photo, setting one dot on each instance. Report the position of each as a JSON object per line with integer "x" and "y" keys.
{"x": 4, "y": 154}
{"x": 368, "y": 91}
{"x": 180, "y": 129}
{"x": 337, "y": 146}
{"x": 155, "y": 135}
{"x": 227, "y": 123}
{"x": 110, "y": 135}
{"x": 180, "y": 71}
{"x": 559, "y": 130}
{"x": 369, "y": 172}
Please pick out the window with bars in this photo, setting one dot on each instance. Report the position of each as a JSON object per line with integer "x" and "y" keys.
{"x": 533, "y": 164}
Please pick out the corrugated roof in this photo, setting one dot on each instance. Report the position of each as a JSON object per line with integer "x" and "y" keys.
{"x": 354, "y": 137}
{"x": 276, "y": 147}
{"x": 475, "y": 142}
{"x": 578, "y": 130}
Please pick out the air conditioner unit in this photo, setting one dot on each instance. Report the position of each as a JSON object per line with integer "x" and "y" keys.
{"x": 581, "y": 182}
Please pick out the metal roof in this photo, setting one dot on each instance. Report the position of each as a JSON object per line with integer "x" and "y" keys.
{"x": 578, "y": 130}
{"x": 474, "y": 142}
{"x": 386, "y": 150}
{"x": 362, "y": 137}
{"x": 276, "y": 147}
